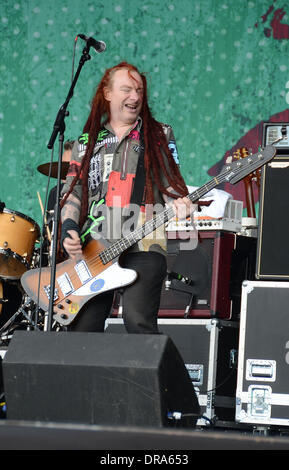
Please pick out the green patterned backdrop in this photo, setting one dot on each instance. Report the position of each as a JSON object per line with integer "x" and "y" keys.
{"x": 216, "y": 68}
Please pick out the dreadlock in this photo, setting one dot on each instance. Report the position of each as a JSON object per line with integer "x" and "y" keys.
{"x": 154, "y": 141}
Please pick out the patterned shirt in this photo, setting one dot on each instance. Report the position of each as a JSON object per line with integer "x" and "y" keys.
{"x": 111, "y": 177}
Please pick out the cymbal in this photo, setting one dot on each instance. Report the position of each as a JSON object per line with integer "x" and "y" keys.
{"x": 45, "y": 168}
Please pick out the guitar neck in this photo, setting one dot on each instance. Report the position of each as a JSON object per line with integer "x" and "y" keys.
{"x": 117, "y": 248}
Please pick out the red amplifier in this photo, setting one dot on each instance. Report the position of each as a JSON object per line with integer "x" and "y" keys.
{"x": 206, "y": 282}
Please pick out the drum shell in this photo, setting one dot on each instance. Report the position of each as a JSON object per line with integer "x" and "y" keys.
{"x": 18, "y": 235}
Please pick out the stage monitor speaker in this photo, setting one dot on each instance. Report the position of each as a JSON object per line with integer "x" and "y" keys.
{"x": 96, "y": 378}
{"x": 272, "y": 246}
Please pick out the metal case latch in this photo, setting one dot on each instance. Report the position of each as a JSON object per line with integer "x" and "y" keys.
{"x": 262, "y": 370}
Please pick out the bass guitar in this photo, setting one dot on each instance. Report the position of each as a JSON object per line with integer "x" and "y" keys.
{"x": 99, "y": 270}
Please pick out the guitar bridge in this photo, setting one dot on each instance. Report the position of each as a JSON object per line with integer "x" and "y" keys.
{"x": 47, "y": 292}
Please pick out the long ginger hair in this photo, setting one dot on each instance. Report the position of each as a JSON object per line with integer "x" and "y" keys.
{"x": 154, "y": 141}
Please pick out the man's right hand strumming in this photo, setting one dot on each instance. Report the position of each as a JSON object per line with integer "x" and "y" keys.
{"x": 72, "y": 245}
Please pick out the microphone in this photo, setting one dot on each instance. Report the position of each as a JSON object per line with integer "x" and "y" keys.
{"x": 99, "y": 46}
{"x": 179, "y": 277}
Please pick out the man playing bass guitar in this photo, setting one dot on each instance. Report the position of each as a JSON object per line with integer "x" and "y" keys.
{"x": 124, "y": 167}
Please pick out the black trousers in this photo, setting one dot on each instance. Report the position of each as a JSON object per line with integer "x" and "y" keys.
{"x": 141, "y": 300}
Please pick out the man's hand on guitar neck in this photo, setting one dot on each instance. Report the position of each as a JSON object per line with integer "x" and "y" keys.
{"x": 183, "y": 207}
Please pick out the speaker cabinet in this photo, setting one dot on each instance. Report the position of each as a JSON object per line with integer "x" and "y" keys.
{"x": 208, "y": 348}
{"x": 216, "y": 268}
{"x": 95, "y": 378}
{"x": 273, "y": 235}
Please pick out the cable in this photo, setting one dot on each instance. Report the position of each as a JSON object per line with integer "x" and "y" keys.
{"x": 234, "y": 368}
{"x": 178, "y": 415}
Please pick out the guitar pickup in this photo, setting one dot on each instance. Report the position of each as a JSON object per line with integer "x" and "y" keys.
{"x": 65, "y": 284}
{"x": 82, "y": 271}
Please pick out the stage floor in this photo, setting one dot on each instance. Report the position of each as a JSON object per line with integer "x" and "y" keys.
{"x": 25, "y": 435}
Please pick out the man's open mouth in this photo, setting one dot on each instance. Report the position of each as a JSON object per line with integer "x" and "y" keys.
{"x": 133, "y": 107}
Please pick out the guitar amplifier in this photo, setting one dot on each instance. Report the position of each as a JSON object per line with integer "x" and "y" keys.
{"x": 214, "y": 269}
{"x": 273, "y": 233}
{"x": 277, "y": 134}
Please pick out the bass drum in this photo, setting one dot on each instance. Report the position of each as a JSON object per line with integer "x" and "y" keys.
{"x": 18, "y": 235}
{"x": 10, "y": 300}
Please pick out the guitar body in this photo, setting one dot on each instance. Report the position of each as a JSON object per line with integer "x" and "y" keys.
{"x": 76, "y": 282}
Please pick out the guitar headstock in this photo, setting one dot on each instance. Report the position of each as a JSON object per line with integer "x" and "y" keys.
{"x": 244, "y": 152}
{"x": 240, "y": 169}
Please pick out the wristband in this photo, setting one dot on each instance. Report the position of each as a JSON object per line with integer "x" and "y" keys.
{"x": 68, "y": 224}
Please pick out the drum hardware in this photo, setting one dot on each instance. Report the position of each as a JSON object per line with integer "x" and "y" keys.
{"x": 8, "y": 328}
{"x": 1, "y": 295}
{"x": 35, "y": 261}
{"x": 16, "y": 309}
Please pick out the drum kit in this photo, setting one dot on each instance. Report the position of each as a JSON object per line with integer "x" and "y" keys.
{"x": 19, "y": 235}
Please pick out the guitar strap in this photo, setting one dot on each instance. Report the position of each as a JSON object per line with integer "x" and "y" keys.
{"x": 137, "y": 195}
{"x": 140, "y": 176}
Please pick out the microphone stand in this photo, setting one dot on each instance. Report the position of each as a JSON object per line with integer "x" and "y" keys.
{"x": 59, "y": 128}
